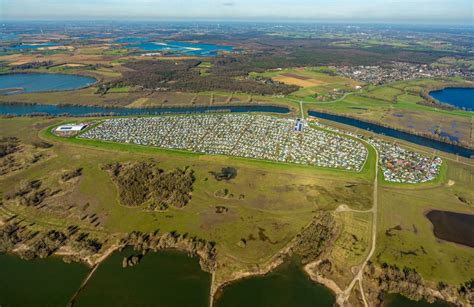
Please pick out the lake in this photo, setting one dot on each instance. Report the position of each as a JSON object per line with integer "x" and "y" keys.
{"x": 32, "y": 46}
{"x": 397, "y": 300}
{"x": 126, "y": 40}
{"x": 452, "y": 226}
{"x": 420, "y": 140}
{"x": 183, "y": 48}
{"x": 286, "y": 286}
{"x": 37, "y": 82}
{"x": 40, "y": 282}
{"x": 163, "y": 279}
{"x": 22, "y": 109}
{"x": 460, "y": 97}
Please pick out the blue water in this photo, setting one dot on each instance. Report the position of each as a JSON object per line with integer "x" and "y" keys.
{"x": 423, "y": 141}
{"x": 7, "y": 36}
{"x": 20, "y": 109}
{"x": 130, "y": 40}
{"x": 457, "y": 96}
{"x": 182, "y": 48}
{"x": 32, "y": 46}
{"x": 31, "y": 83}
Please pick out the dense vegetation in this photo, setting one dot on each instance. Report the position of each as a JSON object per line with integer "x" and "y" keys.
{"x": 183, "y": 76}
{"x": 8, "y": 145}
{"x": 407, "y": 281}
{"x": 32, "y": 243}
{"x": 142, "y": 182}
{"x": 29, "y": 193}
{"x": 145, "y": 242}
{"x": 314, "y": 239}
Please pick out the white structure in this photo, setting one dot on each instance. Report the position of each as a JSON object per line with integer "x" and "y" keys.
{"x": 71, "y": 127}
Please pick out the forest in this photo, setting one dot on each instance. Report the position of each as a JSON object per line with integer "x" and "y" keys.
{"x": 183, "y": 76}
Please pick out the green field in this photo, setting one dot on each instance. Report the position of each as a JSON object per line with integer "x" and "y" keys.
{"x": 397, "y": 105}
{"x": 414, "y": 245}
{"x": 278, "y": 198}
{"x": 268, "y": 204}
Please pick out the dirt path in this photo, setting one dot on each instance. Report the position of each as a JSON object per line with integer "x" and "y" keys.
{"x": 328, "y": 283}
{"x": 342, "y": 297}
{"x": 95, "y": 264}
{"x": 211, "y": 292}
{"x": 83, "y": 284}
{"x": 345, "y": 208}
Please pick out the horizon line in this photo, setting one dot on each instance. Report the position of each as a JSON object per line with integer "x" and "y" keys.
{"x": 243, "y": 20}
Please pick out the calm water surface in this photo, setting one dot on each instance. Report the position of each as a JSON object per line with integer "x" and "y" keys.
{"x": 182, "y": 48}
{"x": 42, "y": 282}
{"x": 33, "y": 46}
{"x": 163, "y": 279}
{"x": 457, "y": 96}
{"x": 397, "y": 300}
{"x": 452, "y": 226}
{"x": 30, "y": 83}
{"x": 287, "y": 286}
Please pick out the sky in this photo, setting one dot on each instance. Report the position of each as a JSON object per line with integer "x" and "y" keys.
{"x": 398, "y": 11}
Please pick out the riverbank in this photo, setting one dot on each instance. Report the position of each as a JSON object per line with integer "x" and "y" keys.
{"x": 466, "y": 150}
{"x": 16, "y": 109}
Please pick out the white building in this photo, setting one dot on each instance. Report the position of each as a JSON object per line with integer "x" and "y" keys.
{"x": 71, "y": 127}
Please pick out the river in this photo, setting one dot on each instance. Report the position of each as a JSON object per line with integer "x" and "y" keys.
{"x": 22, "y": 109}
{"x": 420, "y": 140}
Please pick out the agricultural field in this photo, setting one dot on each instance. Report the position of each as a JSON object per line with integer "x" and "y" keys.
{"x": 316, "y": 84}
{"x": 398, "y": 105}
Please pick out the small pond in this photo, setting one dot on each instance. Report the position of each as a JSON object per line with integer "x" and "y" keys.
{"x": 452, "y": 226}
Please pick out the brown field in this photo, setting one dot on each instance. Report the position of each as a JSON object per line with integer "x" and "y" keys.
{"x": 57, "y": 48}
{"x": 298, "y": 80}
{"x": 72, "y": 65}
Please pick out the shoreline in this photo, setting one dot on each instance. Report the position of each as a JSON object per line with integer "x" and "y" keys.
{"x": 426, "y": 93}
{"x": 422, "y": 135}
